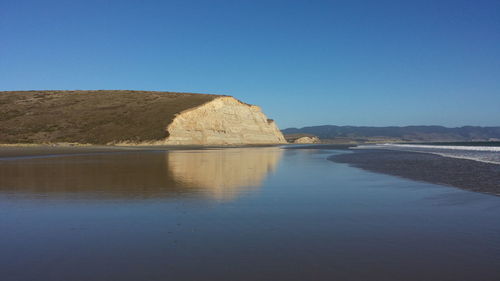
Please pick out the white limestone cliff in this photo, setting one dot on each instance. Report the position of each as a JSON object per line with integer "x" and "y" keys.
{"x": 304, "y": 140}
{"x": 223, "y": 121}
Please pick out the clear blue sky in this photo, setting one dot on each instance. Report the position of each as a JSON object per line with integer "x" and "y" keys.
{"x": 305, "y": 62}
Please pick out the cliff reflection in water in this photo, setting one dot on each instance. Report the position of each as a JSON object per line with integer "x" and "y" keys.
{"x": 220, "y": 174}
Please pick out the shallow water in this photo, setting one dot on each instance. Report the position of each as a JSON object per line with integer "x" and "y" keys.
{"x": 237, "y": 214}
{"x": 475, "y": 151}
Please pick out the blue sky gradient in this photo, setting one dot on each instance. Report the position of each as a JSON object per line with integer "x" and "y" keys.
{"x": 372, "y": 63}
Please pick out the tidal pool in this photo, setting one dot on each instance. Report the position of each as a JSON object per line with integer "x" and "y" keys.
{"x": 236, "y": 214}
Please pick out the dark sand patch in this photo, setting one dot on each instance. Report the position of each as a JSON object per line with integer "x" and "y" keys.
{"x": 466, "y": 174}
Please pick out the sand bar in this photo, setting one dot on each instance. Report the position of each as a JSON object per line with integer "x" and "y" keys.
{"x": 462, "y": 173}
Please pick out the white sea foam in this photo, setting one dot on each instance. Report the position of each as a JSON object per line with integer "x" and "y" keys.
{"x": 487, "y": 154}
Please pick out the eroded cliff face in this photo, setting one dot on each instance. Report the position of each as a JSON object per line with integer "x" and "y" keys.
{"x": 223, "y": 121}
{"x": 305, "y": 140}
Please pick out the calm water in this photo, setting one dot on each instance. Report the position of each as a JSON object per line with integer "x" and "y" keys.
{"x": 237, "y": 214}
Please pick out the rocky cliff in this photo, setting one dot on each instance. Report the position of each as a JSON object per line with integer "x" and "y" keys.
{"x": 302, "y": 138}
{"x": 305, "y": 140}
{"x": 132, "y": 118}
{"x": 224, "y": 120}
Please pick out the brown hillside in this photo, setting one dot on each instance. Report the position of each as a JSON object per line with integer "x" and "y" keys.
{"x": 97, "y": 117}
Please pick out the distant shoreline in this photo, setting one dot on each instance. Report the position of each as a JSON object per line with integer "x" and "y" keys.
{"x": 461, "y": 173}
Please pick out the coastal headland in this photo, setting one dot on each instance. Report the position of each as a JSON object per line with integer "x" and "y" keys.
{"x": 118, "y": 117}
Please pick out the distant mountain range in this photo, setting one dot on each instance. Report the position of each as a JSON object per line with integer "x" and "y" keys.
{"x": 407, "y": 133}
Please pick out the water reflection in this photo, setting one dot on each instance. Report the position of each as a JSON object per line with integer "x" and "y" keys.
{"x": 220, "y": 174}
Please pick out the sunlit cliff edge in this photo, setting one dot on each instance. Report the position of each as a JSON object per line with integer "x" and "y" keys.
{"x": 132, "y": 118}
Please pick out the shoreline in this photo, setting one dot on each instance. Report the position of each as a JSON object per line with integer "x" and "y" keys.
{"x": 461, "y": 173}
{"x": 20, "y": 151}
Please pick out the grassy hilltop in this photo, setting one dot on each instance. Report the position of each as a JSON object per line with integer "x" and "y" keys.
{"x": 97, "y": 117}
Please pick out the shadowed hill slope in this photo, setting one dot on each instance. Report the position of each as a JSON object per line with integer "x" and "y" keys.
{"x": 97, "y": 117}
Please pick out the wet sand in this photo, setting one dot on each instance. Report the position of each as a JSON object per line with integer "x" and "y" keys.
{"x": 320, "y": 146}
{"x": 465, "y": 174}
{"x": 29, "y": 151}
{"x": 47, "y": 151}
